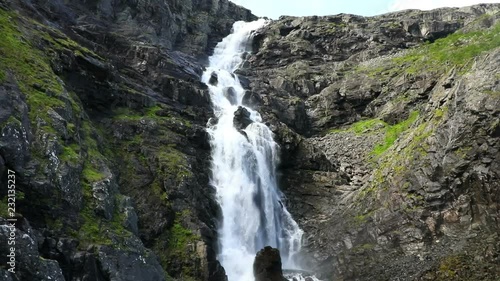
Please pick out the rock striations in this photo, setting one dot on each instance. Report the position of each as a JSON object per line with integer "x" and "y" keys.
{"x": 103, "y": 120}
{"x": 388, "y": 126}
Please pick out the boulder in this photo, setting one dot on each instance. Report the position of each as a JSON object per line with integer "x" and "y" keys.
{"x": 230, "y": 95}
{"x": 251, "y": 99}
{"x": 241, "y": 118}
{"x": 214, "y": 79}
{"x": 267, "y": 265}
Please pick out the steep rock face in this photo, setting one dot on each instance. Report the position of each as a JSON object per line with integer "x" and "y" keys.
{"x": 302, "y": 60}
{"x": 192, "y": 27}
{"x": 102, "y": 120}
{"x": 389, "y": 134}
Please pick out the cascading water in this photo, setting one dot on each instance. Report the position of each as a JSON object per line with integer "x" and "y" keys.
{"x": 244, "y": 168}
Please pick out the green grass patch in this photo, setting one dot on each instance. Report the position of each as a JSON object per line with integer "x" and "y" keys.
{"x": 149, "y": 113}
{"x": 180, "y": 237}
{"x": 456, "y": 50}
{"x": 92, "y": 175}
{"x": 367, "y": 125}
{"x": 392, "y": 133}
{"x": 492, "y": 93}
{"x": 95, "y": 230}
{"x": 70, "y": 153}
{"x": 362, "y": 126}
{"x": 125, "y": 113}
{"x": 30, "y": 68}
{"x": 173, "y": 162}
{"x": 3, "y": 76}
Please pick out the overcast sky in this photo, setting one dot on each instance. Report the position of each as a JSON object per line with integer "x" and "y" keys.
{"x": 276, "y": 8}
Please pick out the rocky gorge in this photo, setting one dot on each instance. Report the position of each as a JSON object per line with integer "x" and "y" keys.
{"x": 388, "y": 127}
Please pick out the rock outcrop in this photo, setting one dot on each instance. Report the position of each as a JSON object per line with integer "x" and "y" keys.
{"x": 102, "y": 118}
{"x": 389, "y": 133}
{"x": 267, "y": 265}
{"x": 241, "y": 118}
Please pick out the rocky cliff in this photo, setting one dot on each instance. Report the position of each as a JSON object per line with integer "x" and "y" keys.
{"x": 103, "y": 121}
{"x": 388, "y": 126}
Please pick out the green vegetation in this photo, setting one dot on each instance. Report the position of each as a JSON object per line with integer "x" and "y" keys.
{"x": 391, "y": 168}
{"x": 160, "y": 192}
{"x": 150, "y": 113}
{"x": 30, "y": 68}
{"x": 492, "y": 93}
{"x": 363, "y": 248}
{"x": 456, "y": 50}
{"x": 393, "y": 132}
{"x": 91, "y": 175}
{"x": 70, "y": 153}
{"x": 175, "y": 245}
{"x": 125, "y": 113}
{"x": 447, "y": 268}
{"x": 363, "y": 126}
{"x": 463, "y": 151}
{"x": 180, "y": 237}
{"x": 4, "y": 211}
{"x": 363, "y": 218}
{"x": 3, "y": 208}
{"x": 97, "y": 230}
{"x": 367, "y": 125}
{"x": 173, "y": 162}
{"x": 3, "y": 76}
{"x": 332, "y": 28}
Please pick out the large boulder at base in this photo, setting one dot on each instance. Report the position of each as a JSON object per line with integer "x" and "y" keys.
{"x": 267, "y": 265}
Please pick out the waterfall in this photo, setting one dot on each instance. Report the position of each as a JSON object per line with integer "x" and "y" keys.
{"x": 244, "y": 167}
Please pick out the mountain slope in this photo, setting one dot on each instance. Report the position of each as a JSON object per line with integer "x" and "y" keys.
{"x": 102, "y": 119}
{"x": 389, "y": 127}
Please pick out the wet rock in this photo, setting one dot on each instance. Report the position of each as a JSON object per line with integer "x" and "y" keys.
{"x": 251, "y": 99}
{"x": 212, "y": 121}
{"x": 131, "y": 220}
{"x": 241, "y": 118}
{"x": 267, "y": 265}
{"x": 230, "y": 95}
{"x": 214, "y": 79}
{"x": 244, "y": 81}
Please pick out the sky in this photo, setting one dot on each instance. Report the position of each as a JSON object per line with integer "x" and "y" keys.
{"x": 276, "y": 8}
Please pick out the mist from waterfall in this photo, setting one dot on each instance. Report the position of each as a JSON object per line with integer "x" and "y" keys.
{"x": 244, "y": 168}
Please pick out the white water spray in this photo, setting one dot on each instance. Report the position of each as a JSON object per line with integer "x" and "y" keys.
{"x": 244, "y": 168}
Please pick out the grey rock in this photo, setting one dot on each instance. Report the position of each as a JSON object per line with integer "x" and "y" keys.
{"x": 230, "y": 95}
{"x": 214, "y": 80}
{"x": 241, "y": 118}
{"x": 267, "y": 265}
